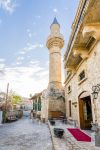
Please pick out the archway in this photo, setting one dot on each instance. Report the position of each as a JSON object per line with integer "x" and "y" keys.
{"x": 85, "y": 110}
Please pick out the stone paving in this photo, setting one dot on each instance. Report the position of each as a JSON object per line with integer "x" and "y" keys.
{"x": 68, "y": 142}
{"x": 25, "y": 134}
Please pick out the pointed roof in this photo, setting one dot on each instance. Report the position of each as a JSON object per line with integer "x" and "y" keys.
{"x": 55, "y": 21}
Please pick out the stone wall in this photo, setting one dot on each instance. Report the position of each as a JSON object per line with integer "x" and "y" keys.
{"x": 92, "y": 68}
{"x": 56, "y": 108}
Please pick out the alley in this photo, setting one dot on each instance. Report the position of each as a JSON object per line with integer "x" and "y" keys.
{"x": 25, "y": 134}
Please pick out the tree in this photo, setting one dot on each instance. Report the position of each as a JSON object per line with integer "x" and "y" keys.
{"x": 16, "y": 99}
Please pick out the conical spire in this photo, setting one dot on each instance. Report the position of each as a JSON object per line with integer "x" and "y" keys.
{"x": 55, "y": 21}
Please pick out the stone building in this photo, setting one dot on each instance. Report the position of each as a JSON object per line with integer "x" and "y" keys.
{"x": 82, "y": 66}
{"x": 37, "y": 105}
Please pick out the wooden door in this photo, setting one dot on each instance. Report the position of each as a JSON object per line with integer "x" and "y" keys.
{"x": 88, "y": 118}
{"x": 81, "y": 114}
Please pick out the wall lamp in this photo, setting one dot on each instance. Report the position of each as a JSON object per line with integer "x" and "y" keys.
{"x": 96, "y": 90}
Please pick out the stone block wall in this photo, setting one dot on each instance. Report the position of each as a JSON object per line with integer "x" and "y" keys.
{"x": 92, "y": 68}
{"x": 56, "y": 108}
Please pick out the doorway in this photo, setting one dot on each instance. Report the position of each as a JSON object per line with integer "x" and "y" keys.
{"x": 85, "y": 112}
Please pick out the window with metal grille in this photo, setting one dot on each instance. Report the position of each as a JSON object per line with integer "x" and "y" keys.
{"x": 82, "y": 75}
{"x": 69, "y": 88}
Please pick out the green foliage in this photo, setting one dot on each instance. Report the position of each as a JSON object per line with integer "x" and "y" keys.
{"x": 16, "y": 99}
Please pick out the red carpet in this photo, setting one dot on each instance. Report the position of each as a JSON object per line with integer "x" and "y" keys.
{"x": 79, "y": 135}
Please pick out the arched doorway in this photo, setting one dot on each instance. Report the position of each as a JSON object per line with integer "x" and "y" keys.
{"x": 85, "y": 110}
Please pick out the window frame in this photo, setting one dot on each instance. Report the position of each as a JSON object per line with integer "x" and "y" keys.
{"x": 83, "y": 79}
{"x": 69, "y": 89}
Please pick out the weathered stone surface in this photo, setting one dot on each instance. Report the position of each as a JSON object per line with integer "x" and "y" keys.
{"x": 86, "y": 42}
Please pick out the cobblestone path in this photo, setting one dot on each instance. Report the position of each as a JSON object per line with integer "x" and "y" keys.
{"x": 25, "y": 134}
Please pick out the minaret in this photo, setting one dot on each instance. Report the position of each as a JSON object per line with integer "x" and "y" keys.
{"x": 54, "y": 95}
{"x": 55, "y": 43}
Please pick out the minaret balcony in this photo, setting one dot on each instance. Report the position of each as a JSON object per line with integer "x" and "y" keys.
{"x": 55, "y": 41}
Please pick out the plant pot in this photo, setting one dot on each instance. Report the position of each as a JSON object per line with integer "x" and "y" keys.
{"x": 52, "y": 122}
{"x": 58, "y": 132}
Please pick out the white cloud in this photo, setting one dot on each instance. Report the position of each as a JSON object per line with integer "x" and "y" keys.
{"x": 1, "y": 72}
{"x": 30, "y": 34}
{"x": 18, "y": 63}
{"x": 33, "y": 46}
{"x": 38, "y": 16}
{"x": 2, "y": 60}
{"x": 34, "y": 62}
{"x": 25, "y": 80}
{"x": 47, "y": 63}
{"x": 30, "y": 47}
{"x": 20, "y": 58}
{"x": 22, "y": 52}
{"x": 42, "y": 74}
{"x": 8, "y": 5}
{"x": 55, "y": 10}
{"x": 2, "y": 65}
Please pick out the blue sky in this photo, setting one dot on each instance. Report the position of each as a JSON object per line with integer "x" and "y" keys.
{"x": 24, "y": 28}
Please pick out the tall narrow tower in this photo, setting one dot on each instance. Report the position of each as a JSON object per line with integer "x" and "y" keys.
{"x": 54, "y": 43}
{"x": 54, "y": 96}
